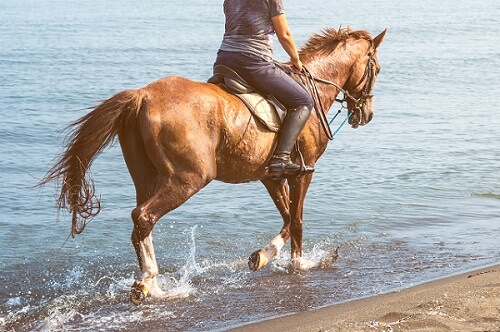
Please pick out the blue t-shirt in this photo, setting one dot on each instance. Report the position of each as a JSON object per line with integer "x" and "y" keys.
{"x": 249, "y": 28}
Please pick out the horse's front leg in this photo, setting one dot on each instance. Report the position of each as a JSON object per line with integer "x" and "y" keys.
{"x": 298, "y": 191}
{"x": 279, "y": 192}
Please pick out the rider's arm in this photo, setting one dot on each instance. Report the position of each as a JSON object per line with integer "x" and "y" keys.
{"x": 285, "y": 38}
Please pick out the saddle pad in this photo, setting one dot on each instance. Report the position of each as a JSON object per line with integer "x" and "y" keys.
{"x": 269, "y": 114}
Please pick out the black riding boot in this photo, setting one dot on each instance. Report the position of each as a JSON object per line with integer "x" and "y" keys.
{"x": 281, "y": 165}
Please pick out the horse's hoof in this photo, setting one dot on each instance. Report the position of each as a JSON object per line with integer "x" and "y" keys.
{"x": 138, "y": 293}
{"x": 257, "y": 260}
{"x": 296, "y": 265}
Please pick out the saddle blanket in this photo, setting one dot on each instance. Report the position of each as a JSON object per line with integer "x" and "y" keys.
{"x": 266, "y": 111}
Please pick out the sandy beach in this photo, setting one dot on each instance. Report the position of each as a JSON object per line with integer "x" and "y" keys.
{"x": 466, "y": 302}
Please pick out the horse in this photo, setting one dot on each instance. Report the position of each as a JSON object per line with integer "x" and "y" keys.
{"x": 178, "y": 135}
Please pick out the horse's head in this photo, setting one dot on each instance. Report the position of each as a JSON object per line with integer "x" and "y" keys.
{"x": 360, "y": 83}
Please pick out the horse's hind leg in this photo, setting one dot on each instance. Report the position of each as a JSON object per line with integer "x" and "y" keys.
{"x": 144, "y": 175}
{"x": 147, "y": 261}
{"x": 279, "y": 192}
{"x": 160, "y": 189}
{"x": 170, "y": 193}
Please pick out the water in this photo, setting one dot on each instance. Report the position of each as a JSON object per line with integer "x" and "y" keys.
{"x": 411, "y": 197}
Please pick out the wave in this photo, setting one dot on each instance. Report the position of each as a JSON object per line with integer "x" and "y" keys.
{"x": 486, "y": 195}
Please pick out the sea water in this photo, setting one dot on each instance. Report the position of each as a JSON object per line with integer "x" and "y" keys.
{"x": 411, "y": 197}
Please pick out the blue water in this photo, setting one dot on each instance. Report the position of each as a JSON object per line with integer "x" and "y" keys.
{"x": 413, "y": 196}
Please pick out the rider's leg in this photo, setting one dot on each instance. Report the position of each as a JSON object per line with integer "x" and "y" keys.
{"x": 281, "y": 164}
{"x": 269, "y": 79}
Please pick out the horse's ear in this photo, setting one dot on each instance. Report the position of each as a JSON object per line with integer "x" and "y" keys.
{"x": 378, "y": 40}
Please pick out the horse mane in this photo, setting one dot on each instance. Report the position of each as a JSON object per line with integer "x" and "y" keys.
{"x": 326, "y": 41}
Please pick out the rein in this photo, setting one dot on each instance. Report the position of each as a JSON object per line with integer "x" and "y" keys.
{"x": 310, "y": 83}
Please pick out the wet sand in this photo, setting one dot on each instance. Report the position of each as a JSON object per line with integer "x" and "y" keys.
{"x": 467, "y": 302}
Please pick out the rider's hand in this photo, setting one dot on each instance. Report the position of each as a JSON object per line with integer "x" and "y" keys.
{"x": 297, "y": 64}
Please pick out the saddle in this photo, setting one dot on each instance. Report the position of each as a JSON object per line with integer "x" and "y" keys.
{"x": 267, "y": 109}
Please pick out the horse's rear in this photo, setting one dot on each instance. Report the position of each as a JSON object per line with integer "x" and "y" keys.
{"x": 197, "y": 128}
{"x": 185, "y": 135}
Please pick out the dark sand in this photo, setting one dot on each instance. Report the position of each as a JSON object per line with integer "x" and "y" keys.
{"x": 467, "y": 302}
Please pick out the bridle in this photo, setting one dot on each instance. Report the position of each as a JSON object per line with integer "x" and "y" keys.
{"x": 368, "y": 75}
{"x": 359, "y": 103}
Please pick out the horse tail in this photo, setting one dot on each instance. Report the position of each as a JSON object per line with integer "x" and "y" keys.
{"x": 88, "y": 137}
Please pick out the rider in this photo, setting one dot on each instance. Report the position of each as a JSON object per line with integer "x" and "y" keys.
{"x": 247, "y": 49}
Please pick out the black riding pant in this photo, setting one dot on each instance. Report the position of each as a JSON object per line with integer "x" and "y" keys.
{"x": 267, "y": 78}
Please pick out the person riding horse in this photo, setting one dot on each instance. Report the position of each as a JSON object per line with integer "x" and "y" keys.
{"x": 178, "y": 135}
{"x": 247, "y": 49}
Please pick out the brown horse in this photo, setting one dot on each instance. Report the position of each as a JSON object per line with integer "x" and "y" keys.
{"x": 178, "y": 135}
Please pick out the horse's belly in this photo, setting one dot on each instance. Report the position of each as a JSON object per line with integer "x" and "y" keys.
{"x": 244, "y": 159}
{"x": 239, "y": 173}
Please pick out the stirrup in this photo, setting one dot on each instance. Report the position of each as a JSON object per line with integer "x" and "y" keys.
{"x": 283, "y": 169}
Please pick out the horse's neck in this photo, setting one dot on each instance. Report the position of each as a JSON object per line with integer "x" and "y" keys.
{"x": 334, "y": 68}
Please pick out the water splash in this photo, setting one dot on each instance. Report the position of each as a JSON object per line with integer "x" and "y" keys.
{"x": 182, "y": 286}
{"x": 322, "y": 255}
{"x": 217, "y": 276}
{"x": 58, "y": 318}
{"x": 14, "y": 302}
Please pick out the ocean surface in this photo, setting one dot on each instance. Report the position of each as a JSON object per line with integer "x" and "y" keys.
{"x": 411, "y": 197}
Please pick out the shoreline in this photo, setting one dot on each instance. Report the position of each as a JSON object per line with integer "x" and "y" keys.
{"x": 466, "y": 302}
